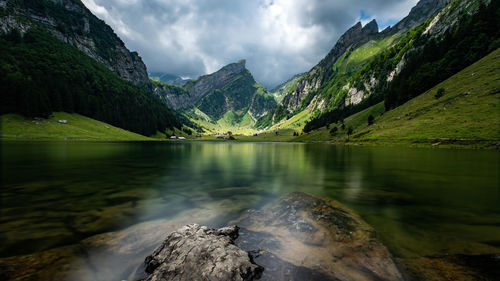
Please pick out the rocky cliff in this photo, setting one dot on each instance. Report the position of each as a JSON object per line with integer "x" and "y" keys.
{"x": 73, "y": 23}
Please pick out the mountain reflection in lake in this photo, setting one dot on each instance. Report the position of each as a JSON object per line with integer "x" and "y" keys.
{"x": 93, "y": 211}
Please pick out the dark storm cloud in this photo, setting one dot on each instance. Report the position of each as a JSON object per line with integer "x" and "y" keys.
{"x": 278, "y": 38}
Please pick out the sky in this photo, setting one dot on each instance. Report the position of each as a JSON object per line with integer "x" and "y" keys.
{"x": 278, "y": 38}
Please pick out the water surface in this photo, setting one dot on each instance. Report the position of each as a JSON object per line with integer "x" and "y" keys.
{"x": 422, "y": 202}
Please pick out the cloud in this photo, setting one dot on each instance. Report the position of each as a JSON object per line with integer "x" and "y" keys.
{"x": 278, "y": 38}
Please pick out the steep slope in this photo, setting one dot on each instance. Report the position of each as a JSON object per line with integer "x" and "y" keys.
{"x": 42, "y": 70}
{"x": 73, "y": 23}
{"x": 324, "y": 88}
{"x": 460, "y": 34}
{"x": 467, "y": 113}
{"x": 230, "y": 96}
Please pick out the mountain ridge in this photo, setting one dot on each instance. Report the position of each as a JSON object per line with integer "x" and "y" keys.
{"x": 306, "y": 90}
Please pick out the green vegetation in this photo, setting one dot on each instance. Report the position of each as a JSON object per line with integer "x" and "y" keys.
{"x": 70, "y": 22}
{"x": 427, "y": 62}
{"x": 440, "y": 92}
{"x": 40, "y": 74}
{"x": 468, "y": 114}
{"x": 78, "y": 127}
{"x": 433, "y": 61}
{"x": 379, "y": 66}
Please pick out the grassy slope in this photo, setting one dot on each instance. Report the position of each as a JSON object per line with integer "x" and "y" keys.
{"x": 17, "y": 127}
{"x": 468, "y": 113}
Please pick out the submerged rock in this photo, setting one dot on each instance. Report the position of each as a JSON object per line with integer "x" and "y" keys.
{"x": 198, "y": 253}
{"x": 303, "y": 237}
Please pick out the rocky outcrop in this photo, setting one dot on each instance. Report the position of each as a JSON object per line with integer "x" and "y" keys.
{"x": 73, "y": 23}
{"x": 303, "y": 237}
{"x": 198, "y": 253}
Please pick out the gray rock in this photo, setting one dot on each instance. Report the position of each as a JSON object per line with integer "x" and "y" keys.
{"x": 198, "y": 253}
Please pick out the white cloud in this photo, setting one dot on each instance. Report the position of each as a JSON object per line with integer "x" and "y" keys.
{"x": 278, "y": 38}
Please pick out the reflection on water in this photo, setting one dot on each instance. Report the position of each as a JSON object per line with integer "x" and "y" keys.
{"x": 421, "y": 202}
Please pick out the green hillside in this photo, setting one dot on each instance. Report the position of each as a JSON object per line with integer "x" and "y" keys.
{"x": 39, "y": 74}
{"x": 467, "y": 113}
{"x": 78, "y": 127}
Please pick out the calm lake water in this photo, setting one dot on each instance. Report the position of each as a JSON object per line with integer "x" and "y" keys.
{"x": 422, "y": 202}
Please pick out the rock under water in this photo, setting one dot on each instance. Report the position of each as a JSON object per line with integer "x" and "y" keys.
{"x": 303, "y": 237}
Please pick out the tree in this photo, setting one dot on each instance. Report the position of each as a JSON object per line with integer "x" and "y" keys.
{"x": 350, "y": 130}
{"x": 333, "y": 131}
{"x": 370, "y": 120}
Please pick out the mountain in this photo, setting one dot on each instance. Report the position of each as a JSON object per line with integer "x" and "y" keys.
{"x": 462, "y": 33}
{"x": 325, "y": 86}
{"x": 313, "y": 80}
{"x": 231, "y": 94}
{"x": 57, "y": 56}
{"x": 464, "y": 114}
{"x": 168, "y": 78}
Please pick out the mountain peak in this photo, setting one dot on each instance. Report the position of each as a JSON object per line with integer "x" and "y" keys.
{"x": 371, "y": 27}
{"x": 233, "y": 68}
{"x": 242, "y": 61}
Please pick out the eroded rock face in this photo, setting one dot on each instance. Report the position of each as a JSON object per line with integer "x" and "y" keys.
{"x": 198, "y": 253}
{"x": 106, "y": 48}
{"x": 303, "y": 237}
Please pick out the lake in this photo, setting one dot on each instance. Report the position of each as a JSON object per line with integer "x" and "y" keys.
{"x": 421, "y": 202}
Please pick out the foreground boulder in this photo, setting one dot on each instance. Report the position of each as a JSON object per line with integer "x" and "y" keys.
{"x": 303, "y": 237}
{"x": 198, "y": 253}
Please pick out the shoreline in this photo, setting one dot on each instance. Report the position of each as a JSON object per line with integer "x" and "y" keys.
{"x": 461, "y": 144}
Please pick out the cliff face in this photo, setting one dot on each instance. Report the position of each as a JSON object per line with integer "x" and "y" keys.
{"x": 73, "y": 23}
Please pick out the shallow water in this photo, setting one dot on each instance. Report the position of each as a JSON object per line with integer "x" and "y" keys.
{"x": 422, "y": 202}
